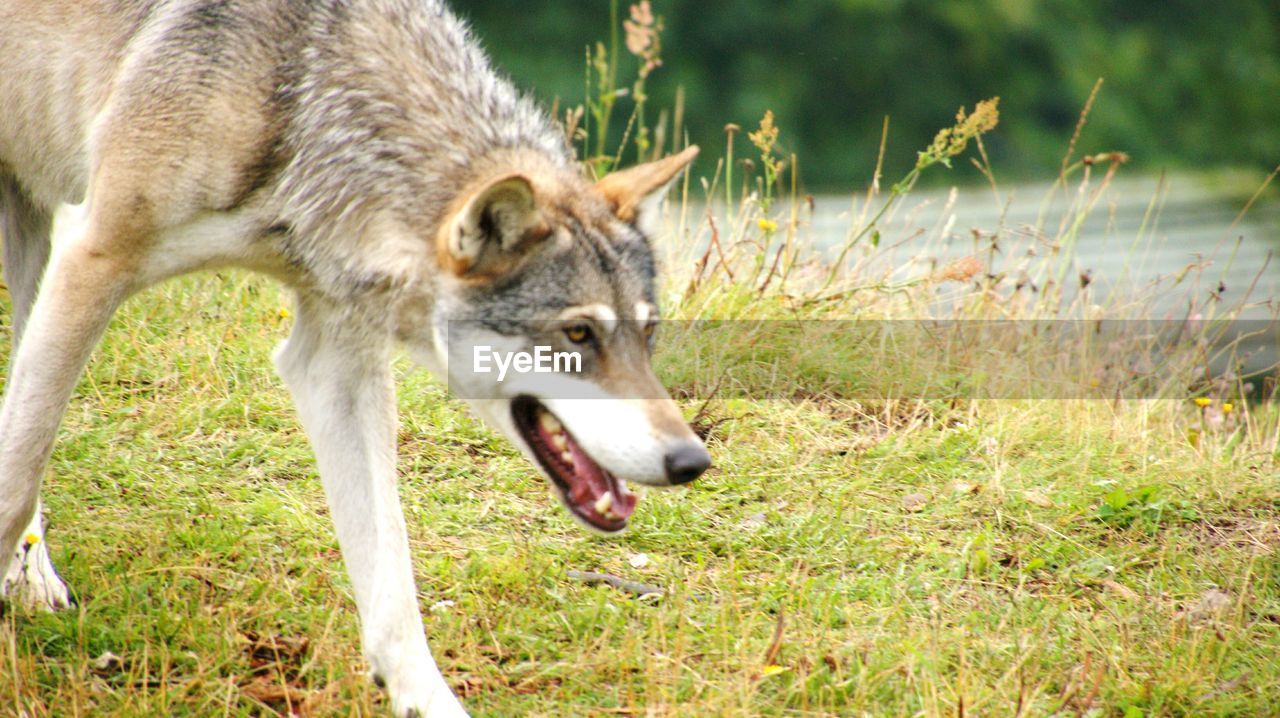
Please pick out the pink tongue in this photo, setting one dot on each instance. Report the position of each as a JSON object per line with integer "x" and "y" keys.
{"x": 591, "y": 482}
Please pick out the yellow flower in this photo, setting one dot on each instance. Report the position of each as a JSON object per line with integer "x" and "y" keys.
{"x": 285, "y": 313}
{"x": 773, "y": 670}
{"x": 767, "y": 136}
{"x": 768, "y": 225}
{"x": 33, "y": 539}
{"x": 1203, "y": 401}
{"x": 952, "y": 141}
{"x": 1227, "y": 407}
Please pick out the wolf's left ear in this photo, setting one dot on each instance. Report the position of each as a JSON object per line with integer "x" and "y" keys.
{"x": 495, "y": 227}
{"x": 636, "y": 194}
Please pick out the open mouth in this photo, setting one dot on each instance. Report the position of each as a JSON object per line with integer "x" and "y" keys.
{"x": 590, "y": 493}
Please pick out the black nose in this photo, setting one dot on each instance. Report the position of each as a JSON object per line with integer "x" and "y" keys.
{"x": 686, "y": 463}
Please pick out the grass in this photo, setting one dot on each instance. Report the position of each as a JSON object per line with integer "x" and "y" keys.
{"x": 845, "y": 557}
{"x": 908, "y": 553}
{"x": 893, "y": 562}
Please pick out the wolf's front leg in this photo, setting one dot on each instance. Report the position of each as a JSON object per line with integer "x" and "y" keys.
{"x": 340, "y": 375}
{"x": 80, "y": 290}
{"x": 32, "y": 579}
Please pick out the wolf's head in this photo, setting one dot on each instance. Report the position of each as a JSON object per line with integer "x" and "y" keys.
{"x": 544, "y": 322}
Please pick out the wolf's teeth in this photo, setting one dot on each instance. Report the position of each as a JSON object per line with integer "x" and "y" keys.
{"x": 560, "y": 441}
{"x": 567, "y": 456}
{"x": 551, "y": 424}
{"x": 604, "y": 503}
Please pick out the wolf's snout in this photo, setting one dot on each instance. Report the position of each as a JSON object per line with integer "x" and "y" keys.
{"x": 686, "y": 463}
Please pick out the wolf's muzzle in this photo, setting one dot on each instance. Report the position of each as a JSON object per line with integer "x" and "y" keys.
{"x": 686, "y": 463}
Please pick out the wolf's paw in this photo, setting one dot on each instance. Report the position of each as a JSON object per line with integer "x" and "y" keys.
{"x": 31, "y": 580}
{"x": 439, "y": 706}
{"x": 432, "y": 700}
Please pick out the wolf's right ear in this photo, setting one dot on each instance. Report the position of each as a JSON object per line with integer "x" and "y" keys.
{"x": 493, "y": 229}
{"x": 636, "y": 194}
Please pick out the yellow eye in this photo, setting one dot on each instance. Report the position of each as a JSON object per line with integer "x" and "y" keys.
{"x": 578, "y": 333}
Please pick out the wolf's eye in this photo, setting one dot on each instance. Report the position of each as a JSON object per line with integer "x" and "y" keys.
{"x": 578, "y": 333}
{"x": 648, "y": 330}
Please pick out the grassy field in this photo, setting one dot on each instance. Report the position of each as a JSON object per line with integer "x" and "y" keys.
{"x": 845, "y": 557}
{"x": 929, "y": 555}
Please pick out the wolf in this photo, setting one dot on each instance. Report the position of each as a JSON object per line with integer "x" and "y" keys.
{"x": 366, "y": 154}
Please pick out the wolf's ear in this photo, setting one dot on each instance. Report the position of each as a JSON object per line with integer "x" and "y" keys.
{"x": 493, "y": 229}
{"x": 636, "y": 194}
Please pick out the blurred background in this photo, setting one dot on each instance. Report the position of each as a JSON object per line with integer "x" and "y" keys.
{"x": 1190, "y": 86}
{"x": 1190, "y": 92}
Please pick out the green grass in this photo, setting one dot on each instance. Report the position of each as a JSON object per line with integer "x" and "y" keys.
{"x": 185, "y": 511}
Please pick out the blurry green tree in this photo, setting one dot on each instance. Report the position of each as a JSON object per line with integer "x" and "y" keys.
{"x": 1188, "y": 84}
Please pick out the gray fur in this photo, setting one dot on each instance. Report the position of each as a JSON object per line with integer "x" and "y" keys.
{"x": 394, "y": 109}
{"x": 25, "y": 229}
{"x": 370, "y": 71}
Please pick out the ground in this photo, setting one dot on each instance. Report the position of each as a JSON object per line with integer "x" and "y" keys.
{"x": 842, "y": 558}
